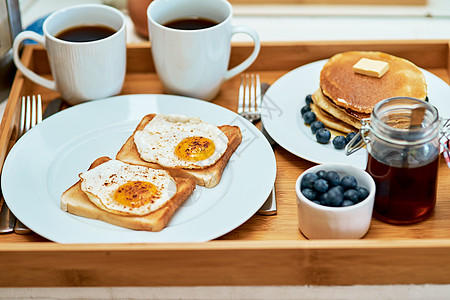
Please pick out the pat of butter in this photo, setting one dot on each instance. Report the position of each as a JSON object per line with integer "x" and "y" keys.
{"x": 370, "y": 67}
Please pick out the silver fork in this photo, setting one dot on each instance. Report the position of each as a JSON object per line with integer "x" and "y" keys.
{"x": 249, "y": 106}
{"x": 30, "y": 115}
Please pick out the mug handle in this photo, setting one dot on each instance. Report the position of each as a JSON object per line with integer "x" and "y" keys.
{"x": 24, "y": 35}
{"x": 246, "y": 63}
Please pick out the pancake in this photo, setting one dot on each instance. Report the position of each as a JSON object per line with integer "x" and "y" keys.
{"x": 331, "y": 122}
{"x": 359, "y": 93}
{"x": 337, "y": 115}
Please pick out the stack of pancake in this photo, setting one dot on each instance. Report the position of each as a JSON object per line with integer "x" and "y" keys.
{"x": 345, "y": 97}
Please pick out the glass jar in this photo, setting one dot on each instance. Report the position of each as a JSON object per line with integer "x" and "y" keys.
{"x": 403, "y": 158}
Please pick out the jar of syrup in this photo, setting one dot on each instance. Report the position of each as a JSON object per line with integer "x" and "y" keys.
{"x": 402, "y": 140}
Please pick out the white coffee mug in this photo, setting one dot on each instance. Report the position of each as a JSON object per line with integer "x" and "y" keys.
{"x": 194, "y": 63}
{"x": 81, "y": 71}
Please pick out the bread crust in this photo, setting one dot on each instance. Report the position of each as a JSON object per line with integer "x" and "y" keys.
{"x": 76, "y": 202}
{"x": 207, "y": 177}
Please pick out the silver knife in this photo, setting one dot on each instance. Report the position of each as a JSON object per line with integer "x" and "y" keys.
{"x": 269, "y": 207}
{"x": 53, "y": 107}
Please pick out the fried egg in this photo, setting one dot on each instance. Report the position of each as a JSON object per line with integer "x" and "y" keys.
{"x": 127, "y": 189}
{"x": 176, "y": 141}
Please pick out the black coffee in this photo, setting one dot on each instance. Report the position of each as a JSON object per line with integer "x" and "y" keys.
{"x": 191, "y": 23}
{"x": 85, "y": 33}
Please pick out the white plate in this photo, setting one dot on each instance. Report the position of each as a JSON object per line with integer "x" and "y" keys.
{"x": 284, "y": 123}
{"x": 48, "y": 158}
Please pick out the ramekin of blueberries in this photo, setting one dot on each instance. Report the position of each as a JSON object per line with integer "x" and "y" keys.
{"x": 322, "y": 134}
{"x": 334, "y": 201}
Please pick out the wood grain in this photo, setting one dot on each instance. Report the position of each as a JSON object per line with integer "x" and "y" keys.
{"x": 265, "y": 250}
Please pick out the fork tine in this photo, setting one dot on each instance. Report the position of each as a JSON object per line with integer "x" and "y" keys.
{"x": 22, "y": 117}
{"x": 28, "y": 114}
{"x": 258, "y": 94}
{"x": 247, "y": 104}
{"x": 36, "y": 110}
{"x": 33, "y": 111}
{"x": 241, "y": 96}
{"x": 39, "y": 109}
{"x": 252, "y": 98}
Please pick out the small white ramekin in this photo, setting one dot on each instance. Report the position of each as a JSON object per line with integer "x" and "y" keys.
{"x": 316, "y": 221}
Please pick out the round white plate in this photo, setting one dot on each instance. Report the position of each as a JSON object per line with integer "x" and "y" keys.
{"x": 283, "y": 121}
{"x": 48, "y": 158}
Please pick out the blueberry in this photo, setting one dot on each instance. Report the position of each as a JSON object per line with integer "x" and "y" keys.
{"x": 323, "y": 135}
{"x": 317, "y": 202}
{"x": 305, "y": 109}
{"x": 331, "y": 198}
{"x": 339, "y": 188}
{"x": 322, "y": 174}
{"x": 352, "y": 195}
{"x": 308, "y": 181}
{"x": 309, "y": 117}
{"x": 316, "y": 125}
{"x": 308, "y": 100}
{"x": 427, "y": 99}
{"x": 333, "y": 178}
{"x": 363, "y": 193}
{"x": 309, "y": 193}
{"x": 339, "y": 142}
{"x": 347, "y": 203}
{"x": 348, "y": 182}
{"x": 349, "y": 137}
{"x": 321, "y": 185}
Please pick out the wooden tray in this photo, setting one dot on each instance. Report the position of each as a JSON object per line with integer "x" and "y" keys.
{"x": 266, "y": 250}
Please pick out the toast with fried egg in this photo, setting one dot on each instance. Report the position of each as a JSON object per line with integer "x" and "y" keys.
{"x": 208, "y": 176}
{"x": 81, "y": 202}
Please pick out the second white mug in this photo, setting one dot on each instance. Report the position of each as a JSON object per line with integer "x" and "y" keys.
{"x": 194, "y": 62}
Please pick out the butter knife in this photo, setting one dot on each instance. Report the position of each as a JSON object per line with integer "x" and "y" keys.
{"x": 269, "y": 207}
{"x": 53, "y": 107}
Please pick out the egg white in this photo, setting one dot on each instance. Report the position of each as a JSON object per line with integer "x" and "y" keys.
{"x": 103, "y": 181}
{"x": 156, "y": 143}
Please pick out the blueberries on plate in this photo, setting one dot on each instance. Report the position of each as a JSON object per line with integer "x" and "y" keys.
{"x": 316, "y": 125}
{"x": 323, "y": 135}
{"x": 305, "y": 109}
{"x": 309, "y": 117}
{"x": 326, "y": 188}
{"x": 308, "y": 100}
{"x": 339, "y": 142}
{"x": 349, "y": 136}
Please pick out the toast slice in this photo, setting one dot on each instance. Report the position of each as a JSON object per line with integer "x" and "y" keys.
{"x": 76, "y": 202}
{"x": 207, "y": 177}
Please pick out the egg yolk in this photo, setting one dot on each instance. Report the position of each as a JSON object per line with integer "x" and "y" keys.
{"x": 195, "y": 148}
{"x": 136, "y": 193}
